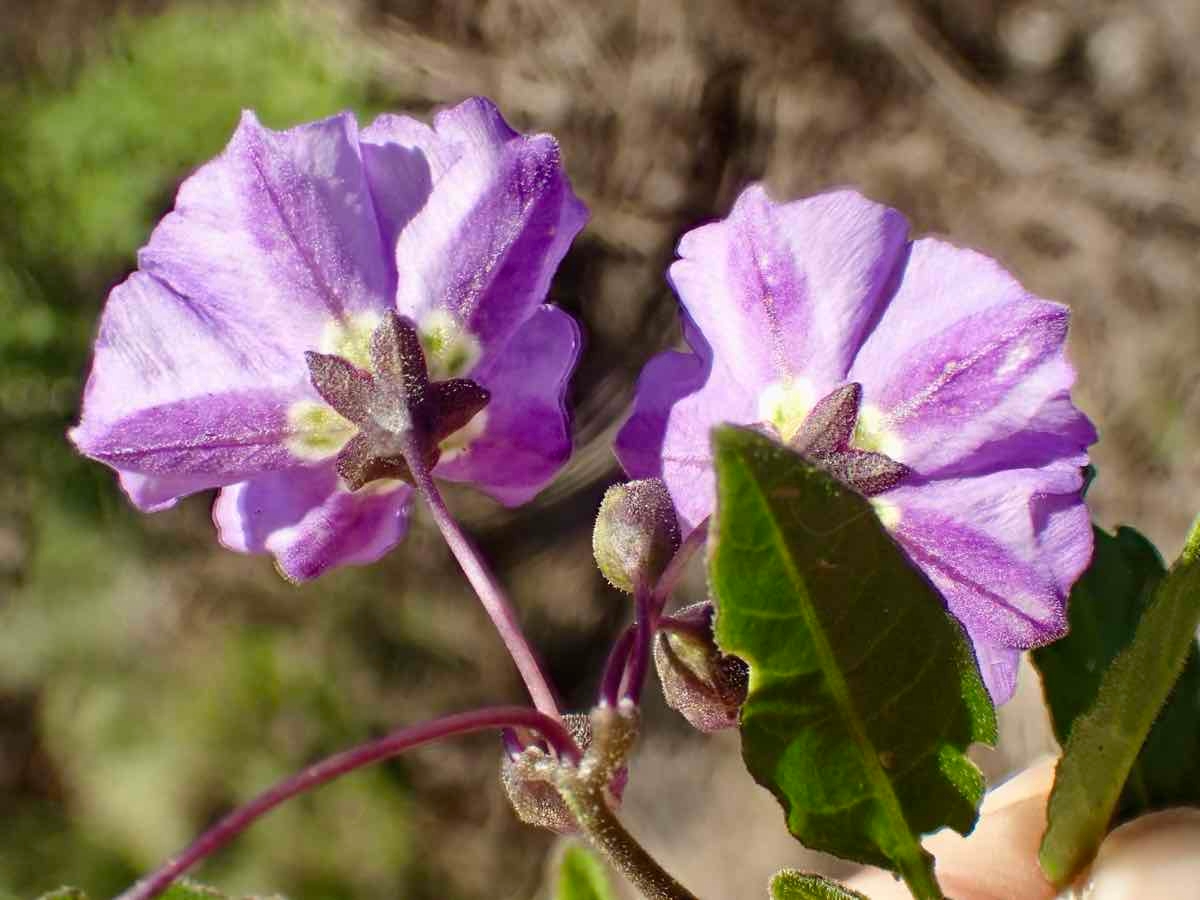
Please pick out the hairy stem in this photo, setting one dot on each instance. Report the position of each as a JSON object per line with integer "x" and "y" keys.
{"x": 584, "y": 788}
{"x": 339, "y": 764}
{"x": 606, "y": 833}
{"x": 491, "y": 594}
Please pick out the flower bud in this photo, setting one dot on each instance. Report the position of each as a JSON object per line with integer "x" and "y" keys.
{"x": 636, "y": 533}
{"x": 706, "y": 686}
{"x": 528, "y": 780}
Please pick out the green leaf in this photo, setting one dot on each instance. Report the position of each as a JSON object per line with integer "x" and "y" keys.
{"x": 581, "y": 876}
{"x": 789, "y": 884}
{"x": 1104, "y": 742}
{"x": 65, "y": 893}
{"x": 1106, "y": 604}
{"x": 189, "y": 890}
{"x": 864, "y": 692}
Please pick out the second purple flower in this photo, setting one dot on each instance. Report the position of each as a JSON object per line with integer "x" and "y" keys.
{"x": 307, "y": 241}
{"x": 919, "y": 373}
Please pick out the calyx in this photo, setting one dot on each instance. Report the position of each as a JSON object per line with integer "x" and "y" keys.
{"x": 396, "y": 407}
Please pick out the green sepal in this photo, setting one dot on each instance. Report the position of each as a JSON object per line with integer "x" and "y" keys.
{"x": 789, "y": 884}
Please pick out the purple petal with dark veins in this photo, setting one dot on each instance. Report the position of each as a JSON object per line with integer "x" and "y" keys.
{"x": 494, "y": 229}
{"x": 680, "y": 398}
{"x": 309, "y": 521}
{"x": 526, "y": 436}
{"x": 175, "y": 395}
{"x": 970, "y": 371}
{"x": 789, "y": 289}
{"x": 1003, "y": 549}
{"x": 277, "y": 235}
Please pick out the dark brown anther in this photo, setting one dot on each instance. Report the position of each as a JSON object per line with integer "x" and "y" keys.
{"x": 395, "y": 407}
{"x": 455, "y": 403}
{"x": 830, "y": 425}
{"x": 867, "y": 472}
{"x": 341, "y": 384}
{"x": 401, "y": 377}
{"x": 357, "y": 465}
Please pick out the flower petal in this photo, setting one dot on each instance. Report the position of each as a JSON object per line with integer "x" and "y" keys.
{"x": 998, "y": 666}
{"x": 403, "y": 159}
{"x": 175, "y": 396}
{"x": 788, "y": 290}
{"x": 277, "y": 235}
{"x": 526, "y": 437}
{"x": 1003, "y": 549}
{"x": 680, "y": 398}
{"x": 308, "y": 520}
{"x": 494, "y": 229}
{"x": 967, "y": 372}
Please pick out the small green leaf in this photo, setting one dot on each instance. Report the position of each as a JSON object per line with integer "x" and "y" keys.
{"x": 789, "y": 884}
{"x": 864, "y": 693}
{"x": 190, "y": 890}
{"x": 1106, "y": 604}
{"x": 1104, "y": 742}
{"x": 582, "y": 876}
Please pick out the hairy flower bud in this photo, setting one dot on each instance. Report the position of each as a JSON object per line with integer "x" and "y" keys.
{"x": 636, "y": 533}
{"x": 528, "y": 780}
{"x": 705, "y": 685}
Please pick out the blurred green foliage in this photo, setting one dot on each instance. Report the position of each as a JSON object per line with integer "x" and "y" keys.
{"x": 124, "y": 688}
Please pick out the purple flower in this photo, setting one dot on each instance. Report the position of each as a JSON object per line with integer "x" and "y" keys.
{"x": 920, "y": 373}
{"x": 304, "y": 242}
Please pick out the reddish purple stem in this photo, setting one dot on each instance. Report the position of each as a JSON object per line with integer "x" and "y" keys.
{"x": 614, "y": 669}
{"x": 491, "y": 594}
{"x": 643, "y": 634}
{"x": 551, "y": 729}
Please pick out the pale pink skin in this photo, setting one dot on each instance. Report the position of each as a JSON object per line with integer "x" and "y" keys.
{"x": 1154, "y": 856}
{"x": 199, "y": 362}
{"x": 965, "y": 369}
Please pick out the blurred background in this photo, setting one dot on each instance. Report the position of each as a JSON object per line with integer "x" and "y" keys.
{"x": 150, "y": 680}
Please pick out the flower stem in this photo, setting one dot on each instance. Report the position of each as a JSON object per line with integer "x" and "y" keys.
{"x": 605, "y": 831}
{"x": 584, "y": 788}
{"x": 347, "y": 761}
{"x": 614, "y": 669}
{"x": 671, "y": 576}
{"x": 491, "y": 594}
{"x": 639, "y": 653}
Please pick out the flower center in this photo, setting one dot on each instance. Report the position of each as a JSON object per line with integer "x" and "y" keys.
{"x": 382, "y": 411}
{"x": 848, "y": 440}
{"x": 451, "y": 351}
{"x": 784, "y": 405}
